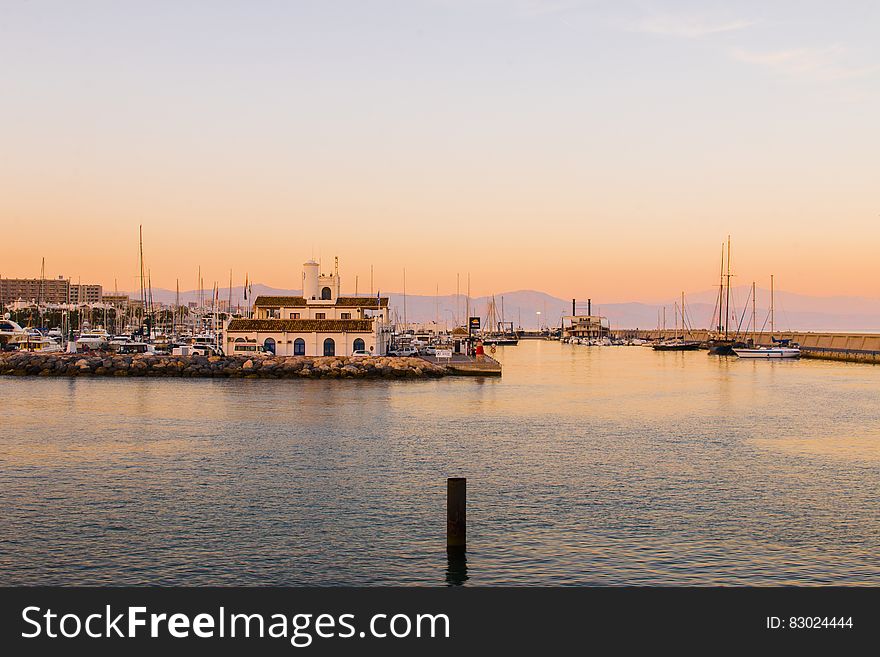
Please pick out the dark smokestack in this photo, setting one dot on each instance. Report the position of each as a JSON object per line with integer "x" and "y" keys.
{"x": 589, "y": 306}
{"x": 573, "y": 312}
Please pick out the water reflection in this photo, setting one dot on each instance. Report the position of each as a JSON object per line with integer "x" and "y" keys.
{"x": 456, "y": 567}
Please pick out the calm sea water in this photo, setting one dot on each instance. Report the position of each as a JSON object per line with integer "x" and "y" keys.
{"x": 613, "y": 465}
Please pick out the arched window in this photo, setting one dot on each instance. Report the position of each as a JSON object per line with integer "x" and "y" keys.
{"x": 329, "y": 347}
{"x": 269, "y": 345}
{"x": 239, "y": 339}
{"x": 326, "y": 293}
{"x": 299, "y": 347}
{"x": 359, "y": 345}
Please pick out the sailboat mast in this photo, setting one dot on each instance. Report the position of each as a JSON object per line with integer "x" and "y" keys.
{"x": 457, "y": 297}
{"x": 721, "y": 292}
{"x": 468, "y": 302}
{"x": 754, "y": 317}
{"x": 683, "y": 325}
{"x": 150, "y": 297}
{"x": 772, "y": 307}
{"x": 143, "y": 281}
{"x": 176, "y": 307}
{"x": 727, "y": 302}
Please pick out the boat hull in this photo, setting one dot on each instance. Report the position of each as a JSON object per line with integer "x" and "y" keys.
{"x": 501, "y": 342}
{"x": 725, "y": 347}
{"x": 683, "y": 346}
{"x": 773, "y": 352}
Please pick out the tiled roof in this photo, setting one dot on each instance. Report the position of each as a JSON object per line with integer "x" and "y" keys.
{"x": 301, "y": 325}
{"x": 280, "y": 301}
{"x": 363, "y": 302}
{"x": 291, "y": 302}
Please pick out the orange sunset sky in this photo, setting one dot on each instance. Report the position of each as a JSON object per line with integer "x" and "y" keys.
{"x": 601, "y": 149}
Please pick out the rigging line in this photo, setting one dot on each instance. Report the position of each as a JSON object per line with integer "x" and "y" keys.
{"x": 745, "y": 308}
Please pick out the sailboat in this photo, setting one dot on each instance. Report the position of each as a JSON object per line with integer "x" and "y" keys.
{"x": 502, "y": 333}
{"x": 722, "y": 344}
{"x": 784, "y": 350}
{"x": 678, "y": 344}
{"x": 781, "y": 348}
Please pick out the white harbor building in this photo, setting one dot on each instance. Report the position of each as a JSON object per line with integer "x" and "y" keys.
{"x": 318, "y": 323}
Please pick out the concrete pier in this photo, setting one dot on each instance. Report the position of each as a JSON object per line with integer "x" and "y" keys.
{"x": 849, "y": 347}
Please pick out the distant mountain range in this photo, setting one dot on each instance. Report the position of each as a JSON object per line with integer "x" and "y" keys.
{"x": 522, "y": 307}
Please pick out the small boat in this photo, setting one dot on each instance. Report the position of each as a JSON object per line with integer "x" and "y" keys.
{"x": 676, "y": 345}
{"x": 769, "y": 352}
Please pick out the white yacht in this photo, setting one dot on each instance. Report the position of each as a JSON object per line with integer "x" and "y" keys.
{"x": 92, "y": 339}
{"x": 11, "y": 334}
{"x": 769, "y": 352}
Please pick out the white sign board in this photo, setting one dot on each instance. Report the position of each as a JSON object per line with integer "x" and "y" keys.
{"x": 444, "y": 353}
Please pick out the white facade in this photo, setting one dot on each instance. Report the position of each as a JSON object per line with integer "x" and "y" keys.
{"x": 300, "y": 343}
{"x": 319, "y": 323}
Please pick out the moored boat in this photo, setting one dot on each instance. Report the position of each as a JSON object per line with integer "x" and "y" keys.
{"x": 42, "y": 344}
{"x": 723, "y": 347}
{"x": 92, "y": 340}
{"x": 769, "y": 352}
{"x": 676, "y": 345}
{"x": 11, "y": 334}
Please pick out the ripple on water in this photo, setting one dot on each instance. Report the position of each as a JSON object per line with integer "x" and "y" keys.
{"x": 609, "y": 466}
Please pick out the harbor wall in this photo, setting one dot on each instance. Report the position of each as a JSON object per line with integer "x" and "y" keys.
{"x": 850, "y": 347}
{"x": 267, "y": 367}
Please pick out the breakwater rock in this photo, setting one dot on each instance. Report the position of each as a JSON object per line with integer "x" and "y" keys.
{"x": 260, "y": 367}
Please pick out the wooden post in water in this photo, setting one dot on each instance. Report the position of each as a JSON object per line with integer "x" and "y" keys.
{"x": 456, "y": 514}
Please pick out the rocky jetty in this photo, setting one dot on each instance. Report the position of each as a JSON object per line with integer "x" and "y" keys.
{"x": 260, "y": 367}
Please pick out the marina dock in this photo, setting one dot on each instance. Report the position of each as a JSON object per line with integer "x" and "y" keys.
{"x": 463, "y": 365}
